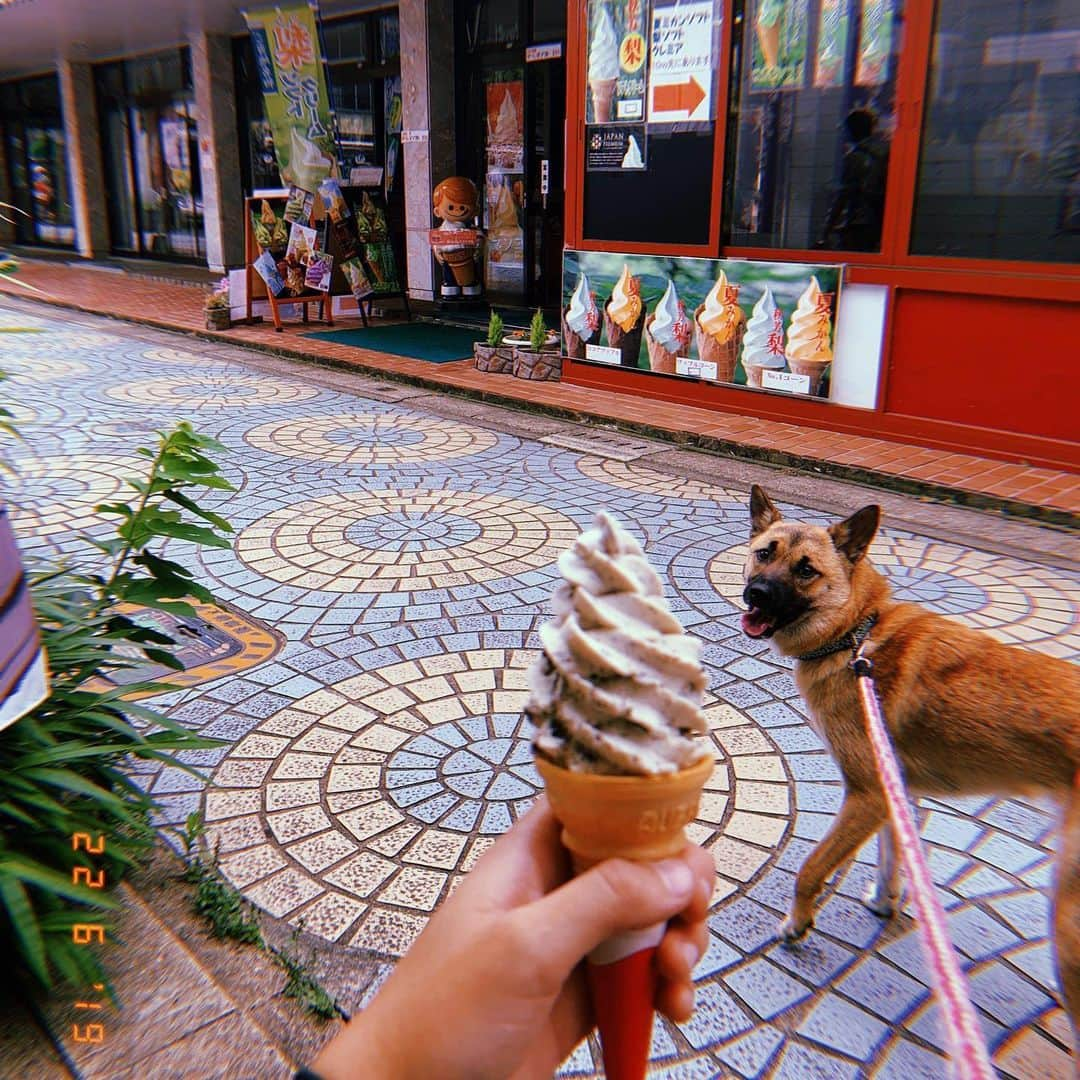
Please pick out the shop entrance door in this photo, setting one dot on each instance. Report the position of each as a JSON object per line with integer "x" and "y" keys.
{"x": 510, "y": 134}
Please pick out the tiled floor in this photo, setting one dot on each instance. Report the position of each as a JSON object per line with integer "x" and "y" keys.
{"x": 179, "y": 306}
{"x": 407, "y": 560}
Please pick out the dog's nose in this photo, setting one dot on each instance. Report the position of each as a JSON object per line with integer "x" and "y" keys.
{"x": 756, "y": 595}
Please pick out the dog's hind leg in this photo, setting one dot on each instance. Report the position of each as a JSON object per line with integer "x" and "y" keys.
{"x": 1067, "y": 915}
{"x": 882, "y": 895}
{"x": 860, "y": 817}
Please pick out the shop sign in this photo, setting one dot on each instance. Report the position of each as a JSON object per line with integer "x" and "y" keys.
{"x": 414, "y": 135}
{"x": 535, "y": 53}
{"x": 681, "y": 71}
{"x": 285, "y": 40}
{"x": 739, "y": 322}
{"x": 615, "y": 147}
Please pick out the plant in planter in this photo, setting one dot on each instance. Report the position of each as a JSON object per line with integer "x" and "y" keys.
{"x": 541, "y": 360}
{"x": 71, "y": 764}
{"x": 218, "y": 316}
{"x": 489, "y": 354}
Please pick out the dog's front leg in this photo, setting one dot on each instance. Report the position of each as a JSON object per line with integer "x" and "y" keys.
{"x": 883, "y": 893}
{"x": 861, "y": 815}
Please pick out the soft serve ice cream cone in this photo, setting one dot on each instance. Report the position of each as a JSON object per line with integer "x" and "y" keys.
{"x": 603, "y": 66}
{"x": 667, "y": 332}
{"x": 616, "y": 699}
{"x": 763, "y": 346}
{"x": 624, "y": 318}
{"x": 581, "y": 320}
{"x": 719, "y": 326}
{"x": 809, "y": 348}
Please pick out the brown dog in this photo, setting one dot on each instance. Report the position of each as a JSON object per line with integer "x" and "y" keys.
{"x": 967, "y": 715}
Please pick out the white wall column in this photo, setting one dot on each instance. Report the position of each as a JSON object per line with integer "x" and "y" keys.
{"x": 85, "y": 171}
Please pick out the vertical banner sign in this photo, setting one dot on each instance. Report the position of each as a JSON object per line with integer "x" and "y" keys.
{"x": 23, "y": 681}
{"x": 286, "y": 45}
{"x": 681, "y": 77}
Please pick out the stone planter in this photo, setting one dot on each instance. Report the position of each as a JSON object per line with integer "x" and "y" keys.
{"x": 544, "y": 366}
{"x": 218, "y": 319}
{"x": 495, "y": 359}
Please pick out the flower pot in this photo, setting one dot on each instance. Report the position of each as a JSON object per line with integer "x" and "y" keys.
{"x": 543, "y": 366}
{"x": 494, "y": 359}
{"x": 218, "y": 319}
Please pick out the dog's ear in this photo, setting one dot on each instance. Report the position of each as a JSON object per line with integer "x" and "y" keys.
{"x": 852, "y": 536}
{"x": 762, "y": 511}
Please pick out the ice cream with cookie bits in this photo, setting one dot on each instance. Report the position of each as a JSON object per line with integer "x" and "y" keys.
{"x": 618, "y": 687}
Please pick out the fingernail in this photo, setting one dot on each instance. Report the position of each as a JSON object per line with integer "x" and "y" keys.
{"x": 690, "y": 951}
{"x": 676, "y": 875}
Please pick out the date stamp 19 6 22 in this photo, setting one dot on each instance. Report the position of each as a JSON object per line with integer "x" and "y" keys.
{"x": 88, "y": 934}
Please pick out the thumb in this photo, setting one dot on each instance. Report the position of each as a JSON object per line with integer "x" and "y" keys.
{"x": 611, "y": 897}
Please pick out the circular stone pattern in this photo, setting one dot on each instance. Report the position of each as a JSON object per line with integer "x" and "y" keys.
{"x": 632, "y": 477}
{"x": 374, "y": 541}
{"x": 1019, "y": 604}
{"x": 58, "y": 494}
{"x": 355, "y": 810}
{"x": 41, "y": 369}
{"x": 210, "y": 391}
{"x": 160, "y": 355}
{"x": 370, "y": 439}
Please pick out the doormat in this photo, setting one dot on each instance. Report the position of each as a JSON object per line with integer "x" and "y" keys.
{"x": 419, "y": 341}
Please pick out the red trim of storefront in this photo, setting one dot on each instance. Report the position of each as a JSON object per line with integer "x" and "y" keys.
{"x": 1052, "y": 286}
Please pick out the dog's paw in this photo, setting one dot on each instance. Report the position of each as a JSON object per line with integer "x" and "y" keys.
{"x": 791, "y": 932}
{"x": 879, "y": 902}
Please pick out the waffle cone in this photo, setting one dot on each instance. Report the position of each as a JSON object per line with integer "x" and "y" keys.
{"x": 603, "y": 90}
{"x": 724, "y": 354}
{"x": 769, "y": 40}
{"x": 660, "y": 359}
{"x": 573, "y": 344}
{"x": 628, "y": 342}
{"x": 462, "y": 263}
{"x": 814, "y": 368}
{"x": 628, "y": 817}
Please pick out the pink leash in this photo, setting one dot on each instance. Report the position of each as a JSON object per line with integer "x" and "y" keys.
{"x": 967, "y": 1050}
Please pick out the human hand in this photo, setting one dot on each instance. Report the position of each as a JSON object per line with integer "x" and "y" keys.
{"x": 494, "y": 987}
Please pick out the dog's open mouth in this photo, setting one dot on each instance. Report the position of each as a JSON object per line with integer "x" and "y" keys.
{"x": 756, "y": 623}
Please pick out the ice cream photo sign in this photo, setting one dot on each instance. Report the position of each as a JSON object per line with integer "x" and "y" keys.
{"x": 771, "y": 326}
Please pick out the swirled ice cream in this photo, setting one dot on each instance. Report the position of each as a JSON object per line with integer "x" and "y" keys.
{"x": 583, "y": 316}
{"x": 721, "y": 317}
{"x": 670, "y": 327}
{"x": 763, "y": 346}
{"x": 624, "y": 307}
{"x": 810, "y": 332}
{"x": 618, "y": 687}
{"x": 603, "y": 49}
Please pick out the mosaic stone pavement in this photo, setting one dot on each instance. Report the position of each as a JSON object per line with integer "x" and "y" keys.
{"x": 406, "y": 560}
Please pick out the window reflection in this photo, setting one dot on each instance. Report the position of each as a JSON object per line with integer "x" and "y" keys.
{"x": 813, "y": 86}
{"x": 999, "y": 172}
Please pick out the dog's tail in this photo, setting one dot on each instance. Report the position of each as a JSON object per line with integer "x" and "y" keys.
{"x": 1067, "y": 909}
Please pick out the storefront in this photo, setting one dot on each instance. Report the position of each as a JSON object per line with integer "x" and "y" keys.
{"x": 149, "y": 146}
{"x": 33, "y": 134}
{"x": 925, "y": 155}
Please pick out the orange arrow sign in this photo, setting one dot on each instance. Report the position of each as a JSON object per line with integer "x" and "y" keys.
{"x": 678, "y": 97}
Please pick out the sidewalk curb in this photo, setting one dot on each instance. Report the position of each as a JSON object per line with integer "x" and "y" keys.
{"x": 925, "y": 489}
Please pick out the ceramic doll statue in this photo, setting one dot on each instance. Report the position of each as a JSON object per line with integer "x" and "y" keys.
{"x": 456, "y": 243}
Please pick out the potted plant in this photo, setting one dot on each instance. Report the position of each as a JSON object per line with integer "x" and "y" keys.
{"x": 218, "y": 314}
{"x": 490, "y": 354}
{"x": 541, "y": 359}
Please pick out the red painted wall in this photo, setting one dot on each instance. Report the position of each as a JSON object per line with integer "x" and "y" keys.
{"x": 984, "y": 361}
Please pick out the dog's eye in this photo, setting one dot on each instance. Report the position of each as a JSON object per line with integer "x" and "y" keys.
{"x": 762, "y": 554}
{"x": 805, "y": 571}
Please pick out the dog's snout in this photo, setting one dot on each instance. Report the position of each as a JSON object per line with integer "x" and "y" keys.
{"x": 757, "y": 595}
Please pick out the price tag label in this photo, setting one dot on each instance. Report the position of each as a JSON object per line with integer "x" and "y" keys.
{"x": 786, "y": 381}
{"x": 697, "y": 369}
{"x": 603, "y": 354}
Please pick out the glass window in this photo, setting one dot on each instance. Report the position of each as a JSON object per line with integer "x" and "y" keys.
{"x": 999, "y": 171}
{"x": 813, "y": 89}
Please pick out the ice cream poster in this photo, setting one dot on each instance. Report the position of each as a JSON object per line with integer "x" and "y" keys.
{"x": 616, "y": 62}
{"x": 831, "y": 43}
{"x": 286, "y": 46}
{"x": 779, "y": 46}
{"x": 505, "y": 124}
{"x": 615, "y": 147}
{"x": 875, "y": 42}
{"x": 759, "y": 324}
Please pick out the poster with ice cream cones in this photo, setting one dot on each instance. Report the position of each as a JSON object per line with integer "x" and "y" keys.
{"x": 765, "y": 325}
{"x": 778, "y": 58}
{"x": 616, "y": 62}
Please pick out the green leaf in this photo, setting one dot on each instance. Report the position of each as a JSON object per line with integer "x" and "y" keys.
{"x": 189, "y": 504}
{"x": 33, "y": 873}
{"x": 24, "y": 922}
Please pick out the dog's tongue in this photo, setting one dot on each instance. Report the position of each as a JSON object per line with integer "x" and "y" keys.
{"x": 754, "y": 623}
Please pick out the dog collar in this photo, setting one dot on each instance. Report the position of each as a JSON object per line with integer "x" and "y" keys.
{"x": 848, "y": 642}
